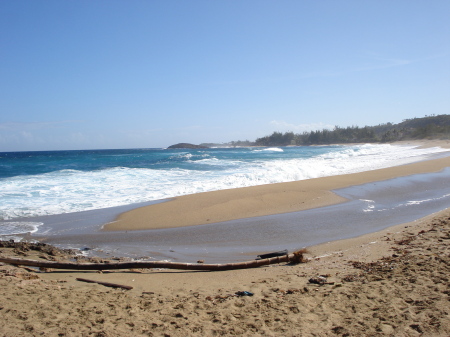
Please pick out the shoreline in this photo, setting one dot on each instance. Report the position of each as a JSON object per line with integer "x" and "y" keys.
{"x": 370, "y": 207}
{"x": 255, "y": 201}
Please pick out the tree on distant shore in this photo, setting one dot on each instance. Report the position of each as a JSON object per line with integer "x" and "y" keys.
{"x": 415, "y": 128}
{"x": 277, "y": 139}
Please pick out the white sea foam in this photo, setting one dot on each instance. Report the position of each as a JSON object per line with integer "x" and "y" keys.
{"x": 71, "y": 190}
{"x": 270, "y": 149}
{"x": 19, "y": 227}
{"x": 14, "y": 238}
{"x": 370, "y": 205}
{"x": 418, "y": 202}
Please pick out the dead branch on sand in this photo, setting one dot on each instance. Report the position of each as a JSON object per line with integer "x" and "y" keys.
{"x": 107, "y": 284}
{"x": 294, "y": 258}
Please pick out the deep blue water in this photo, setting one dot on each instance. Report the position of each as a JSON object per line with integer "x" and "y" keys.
{"x": 39, "y": 162}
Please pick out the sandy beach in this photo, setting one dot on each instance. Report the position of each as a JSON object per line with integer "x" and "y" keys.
{"x": 390, "y": 283}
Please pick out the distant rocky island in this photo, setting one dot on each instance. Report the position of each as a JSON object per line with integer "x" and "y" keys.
{"x": 187, "y": 146}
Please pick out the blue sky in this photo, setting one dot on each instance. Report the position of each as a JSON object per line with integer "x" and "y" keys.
{"x": 138, "y": 74}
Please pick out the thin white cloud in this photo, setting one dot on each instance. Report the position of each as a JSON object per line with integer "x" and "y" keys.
{"x": 19, "y": 136}
{"x": 188, "y": 128}
{"x": 299, "y": 128}
{"x": 379, "y": 62}
{"x": 21, "y": 126}
{"x": 386, "y": 63}
{"x": 78, "y": 138}
{"x": 374, "y": 62}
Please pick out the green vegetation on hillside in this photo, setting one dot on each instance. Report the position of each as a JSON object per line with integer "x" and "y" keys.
{"x": 429, "y": 127}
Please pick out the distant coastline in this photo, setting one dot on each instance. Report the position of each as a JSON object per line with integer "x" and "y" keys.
{"x": 425, "y": 128}
{"x": 187, "y": 146}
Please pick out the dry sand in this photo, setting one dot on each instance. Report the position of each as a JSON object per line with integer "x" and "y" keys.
{"x": 398, "y": 287}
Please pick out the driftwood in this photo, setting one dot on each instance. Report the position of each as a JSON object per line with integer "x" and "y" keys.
{"x": 296, "y": 257}
{"x": 107, "y": 284}
{"x": 269, "y": 255}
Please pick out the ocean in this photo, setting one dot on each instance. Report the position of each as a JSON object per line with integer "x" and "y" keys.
{"x": 35, "y": 185}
